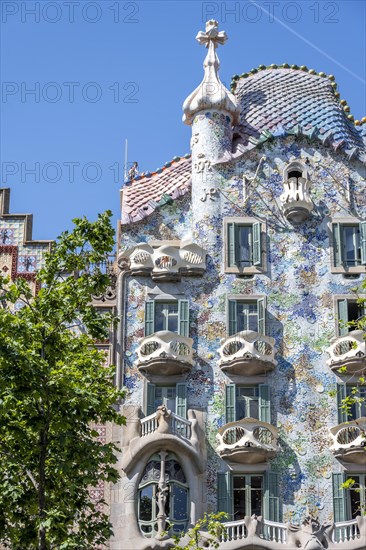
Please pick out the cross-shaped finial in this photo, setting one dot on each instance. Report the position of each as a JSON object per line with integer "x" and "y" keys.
{"x": 211, "y": 34}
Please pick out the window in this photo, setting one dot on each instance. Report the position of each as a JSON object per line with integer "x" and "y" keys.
{"x": 167, "y": 315}
{"x": 356, "y": 497}
{"x": 349, "y": 245}
{"x": 167, "y": 500}
{"x": 241, "y": 495}
{"x": 348, "y": 311}
{"x": 349, "y": 503}
{"x": 244, "y": 245}
{"x": 174, "y": 397}
{"x": 247, "y": 402}
{"x": 358, "y": 408}
{"x": 246, "y": 315}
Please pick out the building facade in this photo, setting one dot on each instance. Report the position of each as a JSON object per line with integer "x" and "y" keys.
{"x": 238, "y": 268}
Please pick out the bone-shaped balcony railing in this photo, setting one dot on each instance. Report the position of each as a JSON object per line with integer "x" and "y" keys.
{"x": 247, "y": 347}
{"x": 350, "y": 348}
{"x": 296, "y": 196}
{"x": 166, "y": 261}
{"x": 349, "y": 436}
{"x": 165, "y": 345}
{"x": 247, "y": 437}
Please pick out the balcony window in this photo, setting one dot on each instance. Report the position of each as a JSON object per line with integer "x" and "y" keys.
{"x": 246, "y": 315}
{"x": 356, "y": 501}
{"x": 349, "y": 311}
{"x": 174, "y": 397}
{"x": 358, "y": 396}
{"x": 244, "y": 250}
{"x": 241, "y": 495}
{"x": 349, "y": 503}
{"x": 247, "y": 402}
{"x": 247, "y": 496}
{"x": 349, "y": 244}
{"x": 173, "y": 497}
{"x": 172, "y": 316}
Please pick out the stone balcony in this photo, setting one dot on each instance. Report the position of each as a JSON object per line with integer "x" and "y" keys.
{"x": 296, "y": 201}
{"x": 144, "y": 435}
{"x": 256, "y": 532}
{"x": 247, "y": 441}
{"x": 348, "y": 351}
{"x": 165, "y": 353}
{"x": 349, "y": 441}
{"x": 247, "y": 353}
{"x": 167, "y": 262}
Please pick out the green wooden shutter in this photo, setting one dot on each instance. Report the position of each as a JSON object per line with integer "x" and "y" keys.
{"x": 181, "y": 400}
{"x": 232, "y": 317}
{"x": 231, "y": 246}
{"x": 339, "y": 500}
{"x": 342, "y": 317}
{"x": 230, "y": 403}
{"x": 271, "y": 497}
{"x": 341, "y": 394}
{"x": 224, "y": 493}
{"x": 257, "y": 248}
{"x": 338, "y": 244}
{"x": 363, "y": 242}
{"x": 264, "y": 403}
{"x": 183, "y": 313}
{"x": 150, "y": 399}
{"x": 261, "y": 305}
{"x": 149, "y": 317}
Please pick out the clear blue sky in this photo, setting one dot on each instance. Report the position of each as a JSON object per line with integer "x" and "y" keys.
{"x": 145, "y": 53}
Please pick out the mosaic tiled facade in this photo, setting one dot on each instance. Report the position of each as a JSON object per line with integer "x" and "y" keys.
{"x": 274, "y": 194}
{"x": 20, "y": 255}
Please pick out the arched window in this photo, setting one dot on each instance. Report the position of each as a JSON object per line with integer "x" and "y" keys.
{"x": 163, "y": 496}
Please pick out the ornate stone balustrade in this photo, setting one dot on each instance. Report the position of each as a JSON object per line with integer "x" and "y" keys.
{"x": 166, "y": 262}
{"x": 174, "y": 424}
{"x": 256, "y": 532}
{"x": 248, "y": 441}
{"x": 165, "y": 353}
{"x": 348, "y": 351}
{"x": 296, "y": 201}
{"x": 349, "y": 441}
{"x": 247, "y": 353}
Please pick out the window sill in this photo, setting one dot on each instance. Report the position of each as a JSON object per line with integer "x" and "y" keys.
{"x": 348, "y": 270}
{"x": 253, "y": 270}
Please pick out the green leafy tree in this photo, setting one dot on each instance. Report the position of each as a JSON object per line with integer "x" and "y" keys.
{"x": 207, "y": 532}
{"x": 53, "y": 386}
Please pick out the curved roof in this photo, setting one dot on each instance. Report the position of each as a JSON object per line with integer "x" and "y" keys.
{"x": 276, "y": 102}
{"x": 147, "y": 192}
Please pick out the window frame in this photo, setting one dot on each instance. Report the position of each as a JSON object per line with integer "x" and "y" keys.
{"x": 183, "y": 314}
{"x": 336, "y": 225}
{"x": 246, "y": 299}
{"x": 338, "y": 299}
{"x": 248, "y": 491}
{"x": 154, "y": 505}
{"x": 254, "y": 267}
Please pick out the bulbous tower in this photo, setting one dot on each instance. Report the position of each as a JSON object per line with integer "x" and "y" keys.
{"x": 211, "y": 110}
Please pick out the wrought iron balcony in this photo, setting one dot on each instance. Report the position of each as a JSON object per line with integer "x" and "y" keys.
{"x": 165, "y": 353}
{"x": 296, "y": 201}
{"x": 248, "y": 441}
{"x": 167, "y": 262}
{"x": 348, "y": 351}
{"x": 349, "y": 441}
{"x": 248, "y": 353}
